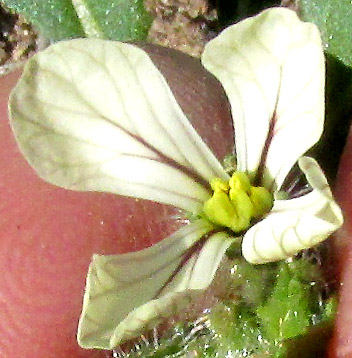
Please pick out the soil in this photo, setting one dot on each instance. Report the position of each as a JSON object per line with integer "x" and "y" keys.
{"x": 181, "y": 24}
{"x": 18, "y": 40}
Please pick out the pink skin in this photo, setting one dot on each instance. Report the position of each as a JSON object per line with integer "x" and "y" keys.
{"x": 48, "y": 234}
{"x": 341, "y": 346}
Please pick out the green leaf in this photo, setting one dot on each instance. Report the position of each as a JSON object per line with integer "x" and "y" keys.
{"x": 334, "y": 19}
{"x": 55, "y": 19}
{"x": 123, "y": 20}
{"x": 237, "y": 329}
{"x": 252, "y": 283}
{"x": 286, "y": 314}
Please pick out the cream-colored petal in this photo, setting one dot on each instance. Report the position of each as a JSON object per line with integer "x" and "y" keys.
{"x": 126, "y": 295}
{"x": 272, "y": 69}
{"x": 98, "y": 115}
{"x": 295, "y": 224}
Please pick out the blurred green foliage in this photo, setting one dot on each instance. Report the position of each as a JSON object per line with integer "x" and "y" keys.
{"x": 334, "y": 19}
{"x": 290, "y": 308}
{"x": 55, "y": 19}
{"x": 123, "y": 20}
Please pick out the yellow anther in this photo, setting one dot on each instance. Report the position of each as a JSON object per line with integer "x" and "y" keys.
{"x": 236, "y": 203}
{"x": 219, "y": 184}
{"x": 262, "y": 201}
{"x": 243, "y": 207}
{"x": 240, "y": 181}
{"x": 219, "y": 209}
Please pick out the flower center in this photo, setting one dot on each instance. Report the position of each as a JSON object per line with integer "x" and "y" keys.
{"x": 235, "y": 204}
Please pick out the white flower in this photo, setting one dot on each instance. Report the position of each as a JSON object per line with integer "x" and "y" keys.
{"x": 98, "y": 115}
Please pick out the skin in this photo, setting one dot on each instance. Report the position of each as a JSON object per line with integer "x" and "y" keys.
{"x": 48, "y": 234}
{"x": 341, "y": 345}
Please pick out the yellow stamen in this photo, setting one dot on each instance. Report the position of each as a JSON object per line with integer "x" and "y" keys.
{"x": 236, "y": 203}
{"x": 262, "y": 201}
{"x": 219, "y": 184}
{"x": 240, "y": 181}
